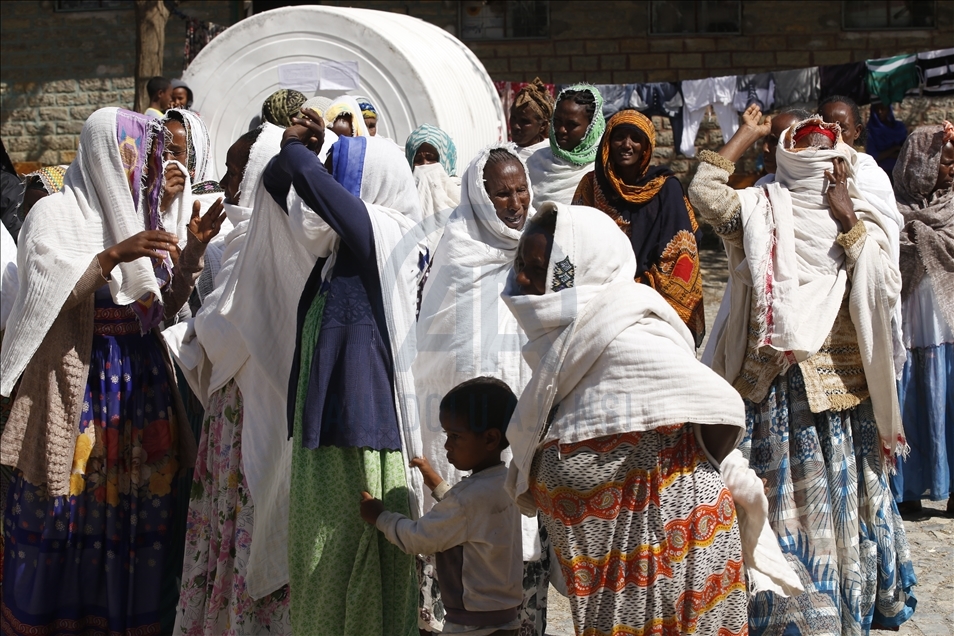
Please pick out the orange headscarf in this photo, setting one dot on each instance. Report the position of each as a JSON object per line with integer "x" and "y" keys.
{"x": 604, "y": 167}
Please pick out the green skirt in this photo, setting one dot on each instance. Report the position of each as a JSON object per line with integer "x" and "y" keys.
{"x": 346, "y": 577}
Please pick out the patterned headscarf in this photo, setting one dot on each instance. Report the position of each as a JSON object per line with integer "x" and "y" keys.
{"x": 318, "y": 104}
{"x": 535, "y": 97}
{"x": 50, "y": 178}
{"x": 585, "y": 152}
{"x": 346, "y": 105}
{"x": 427, "y": 134}
{"x": 606, "y": 176}
{"x": 281, "y": 106}
{"x": 367, "y": 108}
{"x": 141, "y": 143}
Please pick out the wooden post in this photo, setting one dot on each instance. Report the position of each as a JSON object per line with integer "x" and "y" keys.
{"x": 151, "y": 17}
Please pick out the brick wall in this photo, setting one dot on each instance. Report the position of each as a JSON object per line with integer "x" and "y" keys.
{"x": 57, "y": 68}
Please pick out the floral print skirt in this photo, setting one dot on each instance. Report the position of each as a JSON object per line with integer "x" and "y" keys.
{"x": 92, "y": 562}
{"x": 213, "y": 600}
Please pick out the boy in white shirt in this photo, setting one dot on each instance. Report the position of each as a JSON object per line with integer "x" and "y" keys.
{"x": 474, "y": 530}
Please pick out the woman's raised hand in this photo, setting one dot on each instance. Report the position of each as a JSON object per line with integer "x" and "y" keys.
{"x": 173, "y": 185}
{"x": 149, "y": 243}
{"x": 839, "y": 201}
{"x": 208, "y": 226}
{"x": 309, "y": 129}
{"x": 751, "y": 119}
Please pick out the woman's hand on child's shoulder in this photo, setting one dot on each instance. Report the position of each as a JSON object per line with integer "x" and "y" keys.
{"x": 371, "y": 508}
{"x": 431, "y": 479}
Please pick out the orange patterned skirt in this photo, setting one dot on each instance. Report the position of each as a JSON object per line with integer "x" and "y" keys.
{"x": 645, "y": 533}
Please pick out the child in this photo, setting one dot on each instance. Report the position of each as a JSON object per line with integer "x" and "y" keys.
{"x": 474, "y": 529}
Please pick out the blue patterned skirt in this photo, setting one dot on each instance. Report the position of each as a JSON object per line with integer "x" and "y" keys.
{"x": 926, "y": 391}
{"x": 91, "y": 562}
{"x": 832, "y": 511}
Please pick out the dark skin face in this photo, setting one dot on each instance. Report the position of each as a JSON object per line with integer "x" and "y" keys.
{"x": 372, "y": 124}
{"x": 467, "y": 449}
{"x": 163, "y": 100}
{"x": 527, "y": 127}
{"x": 945, "y": 172}
{"x": 178, "y": 150}
{"x": 506, "y": 184}
{"x": 780, "y": 123}
{"x": 180, "y": 97}
{"x": 32, "y": 196}
{"x": 235, "y": 162}
{"x": 627, "y": 145}
{"x": 570, "y": 122}
{"x": 426, "y": 154}
{"x": 342, "y": 126}
{"x": 533, "y": 257}
{"x": 839, "y": 113}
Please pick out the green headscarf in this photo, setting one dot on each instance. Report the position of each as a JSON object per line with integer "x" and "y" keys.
{"x": 585, "y": 152}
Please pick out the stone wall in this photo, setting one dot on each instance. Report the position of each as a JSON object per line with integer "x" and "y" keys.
{"x": 57, "y": 68}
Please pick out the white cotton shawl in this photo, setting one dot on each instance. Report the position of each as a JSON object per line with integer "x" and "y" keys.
{"x": 552, "y": 178}
{"x": 611, "y": 353}
{"x": 93, "y": 211}
{"x": 349, "y": 104}
{"x": 439, "y": 194}
{"x": 260, "y": 300}
{"x": 791, "y": 260}
{"x": 613, "y": 357}
{"x": 9, "y": 283}
{"x": 464, "y": 330}
{"x": 524, "y": 152}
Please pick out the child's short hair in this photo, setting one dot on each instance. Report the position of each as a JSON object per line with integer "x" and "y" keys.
{"x": 484, "y": 402}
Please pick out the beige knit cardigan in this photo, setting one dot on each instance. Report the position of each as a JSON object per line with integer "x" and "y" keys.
{"x": 40, "y": 435}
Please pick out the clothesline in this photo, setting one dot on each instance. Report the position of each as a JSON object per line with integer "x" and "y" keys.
{"x": 889, "y": 80}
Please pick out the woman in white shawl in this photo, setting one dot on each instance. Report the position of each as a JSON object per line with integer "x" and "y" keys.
{"x": 808, "y": 345}
{"x": 432, "y": 155}
{"x": 353, "y": 420}
{"x": 97, "y": 432}
{"x": 220, "y": 592}
{"x": 465, "y": 331}
{"x": 575, "y": 133}
{"x": 608, "y": 437}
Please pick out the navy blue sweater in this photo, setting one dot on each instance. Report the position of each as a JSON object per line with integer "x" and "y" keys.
{"x": 350, "y": 399}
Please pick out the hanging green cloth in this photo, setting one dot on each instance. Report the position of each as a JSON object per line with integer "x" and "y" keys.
{"x": 891, "y": 77}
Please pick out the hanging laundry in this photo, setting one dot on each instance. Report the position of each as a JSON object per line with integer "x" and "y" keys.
{"x": 848, "y": 80}
{"x": 798, "y": 88}
{"x": 891, "y": 77}
{"x": 718, "y": 92}
{"x": 936, "y": 72}
{"x": 754, "y": 89}
{"x": 615, "y": 97}
{"x": 663, "y": 99}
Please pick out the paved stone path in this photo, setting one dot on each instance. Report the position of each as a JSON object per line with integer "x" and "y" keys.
{"x": 931, "y": 534}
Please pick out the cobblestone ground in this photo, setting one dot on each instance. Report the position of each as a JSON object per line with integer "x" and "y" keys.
{"x": 931, "y": 533}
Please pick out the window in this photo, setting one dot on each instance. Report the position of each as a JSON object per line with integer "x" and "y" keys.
{"x": 504, "y": 19}
{"x": 888, "y": 14}
{"x": 92, "y": 5}
{"x": 671, "y": 17}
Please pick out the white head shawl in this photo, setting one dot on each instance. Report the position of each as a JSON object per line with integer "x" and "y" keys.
{"x": 439, "y": 195}
{"x": 9, "y": 283}
{"x": 93, "y": 211}
{"x": 574, "y": 331}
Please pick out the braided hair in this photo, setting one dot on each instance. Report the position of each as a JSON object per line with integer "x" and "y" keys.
{"x": 583, "y": 98}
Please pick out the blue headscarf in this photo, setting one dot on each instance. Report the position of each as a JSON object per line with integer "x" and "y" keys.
{"x": 427, "y": 134}
{"x": 884, "y": 135}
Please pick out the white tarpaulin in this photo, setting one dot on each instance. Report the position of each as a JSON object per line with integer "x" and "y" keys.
{"x": 413, "y": 71}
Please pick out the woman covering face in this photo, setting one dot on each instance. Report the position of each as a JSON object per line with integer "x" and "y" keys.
{"x": 649, "y": 204}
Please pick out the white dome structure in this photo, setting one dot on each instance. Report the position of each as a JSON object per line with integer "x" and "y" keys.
{"x": 413, "y": 72}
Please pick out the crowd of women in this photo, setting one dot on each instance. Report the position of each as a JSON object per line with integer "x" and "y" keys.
{"x": 205, "y": 375}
